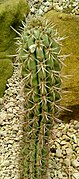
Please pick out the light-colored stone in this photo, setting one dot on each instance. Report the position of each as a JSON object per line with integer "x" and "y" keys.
{"x": 40, "y": 12}
{"x": 74, "y": 146}
{"x": 64, "y": 147}
{"x": 1, "y": 101}
{"x": 47, "y": 3}
{"x": 59, "y": 153}
{"x": 75, "y": 163}
{"x": 78, "y": 152}
{"x": 9, "y": 137}
{"x": 59, "y": 134}
{"x": 74, "y": 138}
{"x": 46, "y": 9}
{"x": 10, "y": 110}
{"x": 69, "y": 151}
{"x": 3, "y": 115}
{"x": 63, "y": 142}
{"x": 67, "y": 162}
{"x": 60, "y": 174}
{"x": 57, "y": 145}
{"x": 69, "y": 134}
{"x": 10, "y": 104}
{"x": 78, "y": 142}
{"x": 32, "y": 9}
{"x": 76, "y": 175}
{"x": 6, "y": 163}
{"x": 3, "y": 133}
{"x": 76, "y": 126}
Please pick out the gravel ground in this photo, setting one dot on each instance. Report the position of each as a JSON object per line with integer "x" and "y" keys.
{"x": 70, "y": 6}
{"x": 39, "y": 7}
{"x": 65, "y": 151}
{"x": 65, "y": 143}
{"x": 11, "y": 126}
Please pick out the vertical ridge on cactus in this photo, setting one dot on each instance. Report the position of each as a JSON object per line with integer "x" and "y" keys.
{"x": 38, "y": 51}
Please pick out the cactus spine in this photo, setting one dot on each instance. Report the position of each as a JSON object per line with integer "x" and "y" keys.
{"x": 38, "y": 53}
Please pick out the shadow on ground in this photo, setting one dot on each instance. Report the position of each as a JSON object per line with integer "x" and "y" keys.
{"x": 67, "y": 116}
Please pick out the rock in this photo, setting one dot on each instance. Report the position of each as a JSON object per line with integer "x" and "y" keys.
{"x": 3, "y": 133}
{"x": 76, "y": 126}
{"x": 15, "y": 128}
{"x": 3, "y": 115}
{"x": 78, "y": 142}
{"x": 6, "y": 163}
{"x": 77, "y": 148}
{"x": 63, "y": 142}
{"x": 58, "y": 153}
{"x": 57, "y": 144}
{"x": 10, "y": 115}
{"x": 69, "y": 151}
{"x": 64, "y": 153}
{"x": 10, "y": 104}
{"x": 76, "y": 175}
{"x": 59, "y": 134}
{"x": 74, "y": 138}
{"x": 60, "y": 174}
{"x": 40, "y": 11}
{"x": 64, "y": 147}
{"x": 71, "y": 83}
{"x": 14, "y": 111}
{"x": 75, "y": 163}
{"x": 74, "y": 146}
{"x": 47, "y": 4}
{"x": 35, "y": 1}
{"x": 32, "y": 10}
{"x": 1, "y": 101}
{"x": 11, "y": 14}
{"x": 69, "y": 134}
{"x": 1, "y": 121}
{"x": 16, "y": 108}
{"x": 78, "y": 151}
{"x": 9, "y": 110}
{"x": 67, "y": 162}
{"x": 54, "y": 164}
{"x": 46, "y": 9}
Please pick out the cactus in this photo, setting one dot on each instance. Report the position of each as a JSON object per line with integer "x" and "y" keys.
{"x": 38, "y": 52}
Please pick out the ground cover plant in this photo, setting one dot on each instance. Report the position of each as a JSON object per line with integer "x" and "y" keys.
{"x": 11, "y": 13}
{"x": 6, "y": 70}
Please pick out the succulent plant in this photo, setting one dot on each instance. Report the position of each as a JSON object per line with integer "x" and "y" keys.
{"x": 38, "y": 52}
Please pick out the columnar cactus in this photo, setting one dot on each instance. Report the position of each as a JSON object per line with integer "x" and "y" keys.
{"x": 38, "y": 51}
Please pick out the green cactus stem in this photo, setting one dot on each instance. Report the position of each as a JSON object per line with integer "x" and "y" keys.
{"x": 38, "y": 51}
